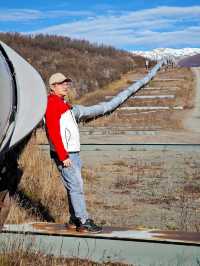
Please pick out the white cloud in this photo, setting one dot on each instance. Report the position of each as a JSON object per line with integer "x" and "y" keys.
{"x": 156, "y": 27}
{"x": 19, "y": 14}
{"x": 31, "y": 14}
{"x": 161, "y": 26}
{"x": 188, "y": 37}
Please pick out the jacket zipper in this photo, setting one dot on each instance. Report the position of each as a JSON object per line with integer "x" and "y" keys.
{"x": 73, "y": 119}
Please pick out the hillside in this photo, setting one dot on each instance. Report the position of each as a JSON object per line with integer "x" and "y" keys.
{"x": 90, "y": 66}
{"x": 159, "y": 53}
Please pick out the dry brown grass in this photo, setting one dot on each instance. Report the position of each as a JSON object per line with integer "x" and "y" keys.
{"x": 40, "y": 137}
{"x": 138, "y": 119}
{"x": 40, "y": 182}
{"x": 18, "y": 214}
{"x": 21, "y": 258}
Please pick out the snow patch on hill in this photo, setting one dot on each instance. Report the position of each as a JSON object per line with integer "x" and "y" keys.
{"x": 160, "y": 53}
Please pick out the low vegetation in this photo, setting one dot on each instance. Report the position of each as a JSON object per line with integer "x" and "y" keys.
{"x": 21, "y": 258}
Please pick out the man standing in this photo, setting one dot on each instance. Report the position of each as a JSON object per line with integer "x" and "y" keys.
{"x": 147, "y": 64}
{"x": 63, "y": 135}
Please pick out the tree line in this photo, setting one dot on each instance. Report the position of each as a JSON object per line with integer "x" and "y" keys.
{"x": 91, "y": 66}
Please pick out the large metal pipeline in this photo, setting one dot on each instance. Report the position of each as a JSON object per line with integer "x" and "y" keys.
{"x": 22, "y": 105}
{"x": 23, "y": 98}
{"x": 7, "y": 99}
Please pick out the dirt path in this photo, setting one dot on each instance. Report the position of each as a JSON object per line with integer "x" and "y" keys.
{"x": 193, "y": 120}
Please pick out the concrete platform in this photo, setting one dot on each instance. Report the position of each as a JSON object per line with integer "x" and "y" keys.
{"x": 125, "y": 245}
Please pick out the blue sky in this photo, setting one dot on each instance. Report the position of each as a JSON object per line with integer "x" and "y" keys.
{"x": 130, "y": 25}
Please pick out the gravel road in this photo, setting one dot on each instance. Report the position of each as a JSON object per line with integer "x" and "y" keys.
{"x": 193, "y": 120}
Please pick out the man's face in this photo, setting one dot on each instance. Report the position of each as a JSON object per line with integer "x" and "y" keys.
{"x": 61, "y": 89}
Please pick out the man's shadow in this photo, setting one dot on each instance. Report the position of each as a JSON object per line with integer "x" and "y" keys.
{"x": 10, "y": 177}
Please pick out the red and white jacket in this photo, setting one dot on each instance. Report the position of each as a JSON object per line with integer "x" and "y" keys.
{"x": 62, "y": 128}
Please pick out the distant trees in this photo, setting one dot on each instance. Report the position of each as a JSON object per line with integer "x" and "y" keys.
{"x": 90, "y": 66}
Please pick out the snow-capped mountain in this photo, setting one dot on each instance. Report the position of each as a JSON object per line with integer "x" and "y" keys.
{"x": 160, "y": 53}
